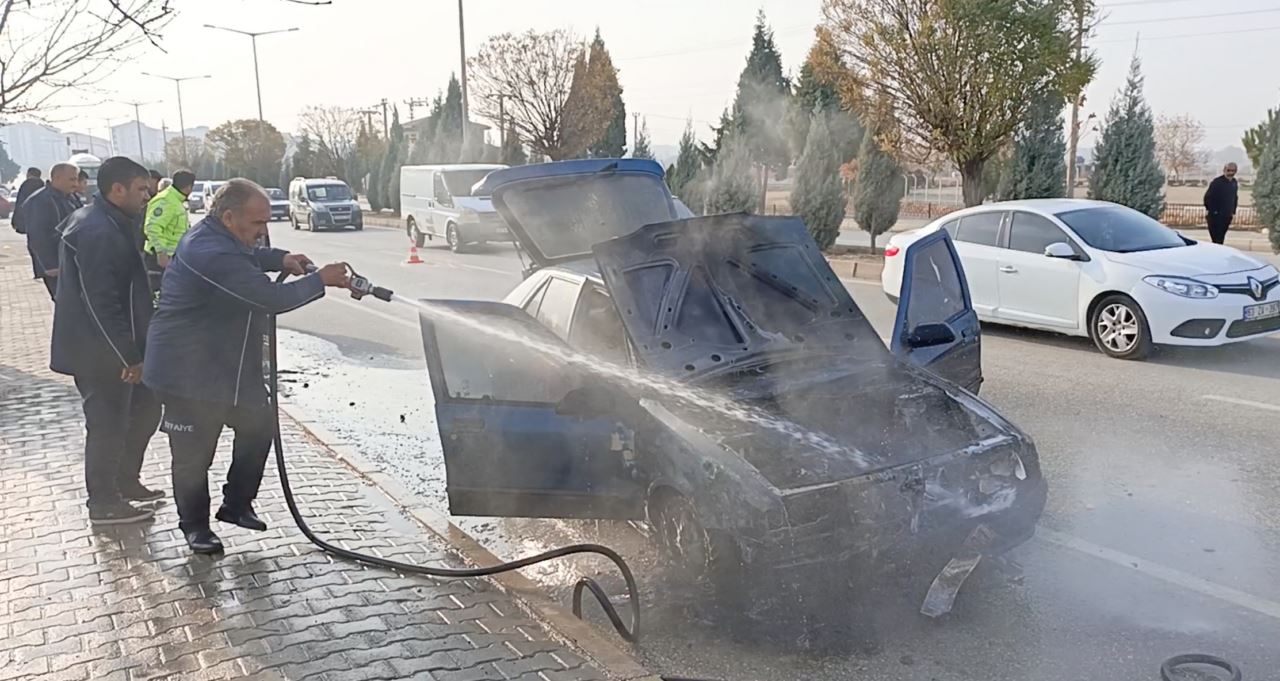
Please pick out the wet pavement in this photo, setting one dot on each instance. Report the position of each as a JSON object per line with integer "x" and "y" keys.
{"x": 1161, "y": 535}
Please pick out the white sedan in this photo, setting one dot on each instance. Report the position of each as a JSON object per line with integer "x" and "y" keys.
{"x": 1097, "y": 269}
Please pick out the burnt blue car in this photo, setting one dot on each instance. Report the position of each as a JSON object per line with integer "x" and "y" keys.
{"x": 823, "y": 457}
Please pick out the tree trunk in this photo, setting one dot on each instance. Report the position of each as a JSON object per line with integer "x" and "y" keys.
{"x": 971, "y": 174}
{"x": 764, "y": 187}
{"x": 873, "y": 241}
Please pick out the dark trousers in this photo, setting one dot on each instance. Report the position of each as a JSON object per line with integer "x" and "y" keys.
{"x": 193, "y": 427}
{"x": 1218, "y": 226}
{"x": 119, "y": 421}
{"x": 51, "y": 283}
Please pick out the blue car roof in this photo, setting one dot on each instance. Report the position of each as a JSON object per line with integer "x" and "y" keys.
{"x": 559, "y": 168}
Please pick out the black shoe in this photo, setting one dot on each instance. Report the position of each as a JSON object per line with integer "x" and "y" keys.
{"x": 118, "y": 513}
{"x": 136, "y": 492}
{"x": 203, "y": 540}
{"x": 246, "y": 518}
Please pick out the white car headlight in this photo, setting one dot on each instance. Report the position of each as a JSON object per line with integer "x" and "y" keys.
{"x": 1182, "y": 286}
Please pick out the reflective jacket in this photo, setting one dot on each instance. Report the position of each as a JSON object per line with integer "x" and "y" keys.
{"x": 166, "y": 221}
{"x": 206, "y": 338}
{"x": 103, "y": 302}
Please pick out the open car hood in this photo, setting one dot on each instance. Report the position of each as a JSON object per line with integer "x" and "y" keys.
{"x": 705, "y": 296}
{"x": 557, "y": 211}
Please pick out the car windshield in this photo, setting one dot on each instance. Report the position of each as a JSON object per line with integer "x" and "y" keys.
{"x": 459, "y": 182}
{"x": 275, "y": 194}
{"x": 197, "y": 188}
{"x": 1120, "y": 230}
{"x": 329, "y": 192}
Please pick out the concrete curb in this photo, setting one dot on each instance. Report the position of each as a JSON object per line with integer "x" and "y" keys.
{"x": 561, "y": 625}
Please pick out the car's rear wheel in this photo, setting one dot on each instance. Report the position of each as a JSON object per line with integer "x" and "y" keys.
{"x": 419, "y": 239}
{"x": 1119, "y": 328}
{"x": 453, "y": 238}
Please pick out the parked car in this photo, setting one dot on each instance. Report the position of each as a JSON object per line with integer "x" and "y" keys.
{"x": 1096, "y": 269}
{"x": 195, "y": 200}
{"x": 321, "y": 203}
{"x": 844, "y": 458}
{"x": 279, "y": 203}
{"x": 437, "y": 201}
{"x": 210, "y": 188}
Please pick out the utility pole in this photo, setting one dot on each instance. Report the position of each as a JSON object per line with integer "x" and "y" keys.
{"x": 386, "y": 132}
{"x": 137, "y": 120}
{"x": 502, "y": 121}
{"x": 177, "y": 82}
{"x": 1081, "y": 7}
{"x": 415, "y": 102}
{"x": 368, "y": 119}
{"x": 462, "y": 49}
{"x": 253, "y": 39}
{"x": 635, "y": 131}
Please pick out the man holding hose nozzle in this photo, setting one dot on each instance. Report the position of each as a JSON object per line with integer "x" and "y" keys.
{"x": 204, "y": 353}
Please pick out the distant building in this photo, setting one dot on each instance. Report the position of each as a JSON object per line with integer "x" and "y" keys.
{"x": 35, "y": 144}
{"x": 124, "y": 140}
{"x": 83, "y": 143}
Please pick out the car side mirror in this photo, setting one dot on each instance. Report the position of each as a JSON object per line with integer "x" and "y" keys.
{"x": 1059, "y": 249}
{"x": 929, "y": 335}
{"x": 588, "y": 401}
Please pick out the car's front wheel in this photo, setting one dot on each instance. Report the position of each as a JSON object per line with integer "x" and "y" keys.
{"x": 1119, "y": 328}
{"x": 453, "y": 238}
{"x": 311, "y": 222}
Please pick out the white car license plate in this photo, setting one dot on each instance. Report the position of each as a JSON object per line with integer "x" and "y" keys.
{"x": 1263, "y": 311}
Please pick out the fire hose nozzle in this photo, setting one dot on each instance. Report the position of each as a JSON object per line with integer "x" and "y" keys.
{"x": 360, "y": 286}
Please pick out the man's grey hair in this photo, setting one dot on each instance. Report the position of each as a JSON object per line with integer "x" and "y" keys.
{"x": 1231, "y": 166}
{"x": 235, "y": 195}
{"x": 62, "y": 168}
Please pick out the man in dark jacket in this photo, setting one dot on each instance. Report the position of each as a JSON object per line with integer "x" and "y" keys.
{"x": 1220, "y": 202}
{"x": 43, "y": 212}
{"x": 204, "y": 353}
{"x": 99, "y": 337}
{"x": 25, "y": 190}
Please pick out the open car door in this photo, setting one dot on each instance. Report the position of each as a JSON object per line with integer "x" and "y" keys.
{"x": 936, "y": 327}
{"x": 525, "y": 432}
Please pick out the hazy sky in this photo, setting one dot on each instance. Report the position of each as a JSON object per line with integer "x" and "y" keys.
{"x": 677, "y": 58}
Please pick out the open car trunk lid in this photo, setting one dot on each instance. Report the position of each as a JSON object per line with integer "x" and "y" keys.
{"x": 707, "y": 295}
{"x": 557, "y": 211}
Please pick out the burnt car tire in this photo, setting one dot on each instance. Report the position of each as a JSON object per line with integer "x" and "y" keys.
{"x": 700, "y": 555}
{"x": 1119, "y": 329}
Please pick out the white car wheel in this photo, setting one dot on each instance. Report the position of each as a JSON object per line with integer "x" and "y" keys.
{"x": 1119, "y": 328}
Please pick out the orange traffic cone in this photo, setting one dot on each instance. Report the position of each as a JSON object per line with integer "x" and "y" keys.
{"x": 413, "y": 256}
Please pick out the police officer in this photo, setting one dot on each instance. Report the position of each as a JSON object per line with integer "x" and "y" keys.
{"x": 166, "y": 222}
{"x": 204, "y": 353}
{"x": 99, "y": 337}
{"x": 42, "y": 212}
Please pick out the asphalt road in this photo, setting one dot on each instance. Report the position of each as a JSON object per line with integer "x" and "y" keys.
{"x": 1162, "y": 533}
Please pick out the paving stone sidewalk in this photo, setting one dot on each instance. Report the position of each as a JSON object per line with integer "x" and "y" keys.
{"x": 127, "y": 603}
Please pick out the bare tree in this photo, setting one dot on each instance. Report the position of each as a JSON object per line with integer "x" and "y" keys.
{"x": 528, "y": 78}
{"x": 48, "y": 47}
{"x": 334, "y": 130}
{"x": 1178, "y": 140}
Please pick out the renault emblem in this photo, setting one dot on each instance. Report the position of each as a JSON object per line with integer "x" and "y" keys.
{"x": 1255, "y": 287}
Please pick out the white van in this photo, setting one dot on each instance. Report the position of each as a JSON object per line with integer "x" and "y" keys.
{"x": 436, "y": 201}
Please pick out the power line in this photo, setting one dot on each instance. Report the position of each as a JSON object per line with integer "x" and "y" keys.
{"x": 1191, "y": 35}
{"x": 1188, "y": 18}
{"x": 709, "y": 47}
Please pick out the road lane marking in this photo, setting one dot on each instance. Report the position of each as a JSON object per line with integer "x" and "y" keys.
{"x": 860, "y": 282}
{"x": 1164, "y": 573}
{"x": 1243, "y": 403}
{"x": 373, "y": 311}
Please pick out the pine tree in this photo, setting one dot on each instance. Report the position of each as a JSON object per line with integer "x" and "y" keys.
{"x": 733, "y": 186}
{"x": 819, "y": 194}
{"x": 762, "y": 101}
{"x": 613, "y": 143}
{"x": 391, "y": 162}
{"x": 1255, "y": 138}
{"x": 1038, "y": 166}
{"x": 815, "y": 91}
{"x": 877, "y": 193}
{"x": 1266, "y": 186}
{"x": 1125, "y": 167}
{"x": 642, "y": 149}
{"x": 512, "y": 153}
{"x": 303, "y": 162}
{"x": 681, "y": 176}
{"x": 8, "y": 169}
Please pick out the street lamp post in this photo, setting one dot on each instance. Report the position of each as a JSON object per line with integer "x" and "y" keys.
{"x": 137, "y": 120}
{"x": 253, "y": 39}
{"x": 182, "y": 123}
{"x": 462, "y": 48}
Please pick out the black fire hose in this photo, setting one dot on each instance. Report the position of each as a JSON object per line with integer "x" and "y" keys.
{"x": 1167, "y": 673}
{"x": 628, "y": 634}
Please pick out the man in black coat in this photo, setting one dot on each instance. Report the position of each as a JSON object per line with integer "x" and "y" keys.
{"x": 28, "y": 187}
{"x": 100, "y": 322}
{"x": 204, "y": 353}
{"x": 43, "y": 212}
{"x": 1220, "y": 202}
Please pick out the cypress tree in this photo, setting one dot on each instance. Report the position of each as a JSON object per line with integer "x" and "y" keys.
{"x": 1038, "y": 166}
{"x": 1266, "y": 186}
{"x": 877, "y": 193}
{"x": 819, "y": 194}
{"x": 613, "y": 142}
{"x": 681, "y": 176}
{"x": 761, "y": 103}
{"x": 642, "y": 149}
{"x": 1125, "y": 167}
{"x": 732, "y": 187}
{"x": 391, "y": 162}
